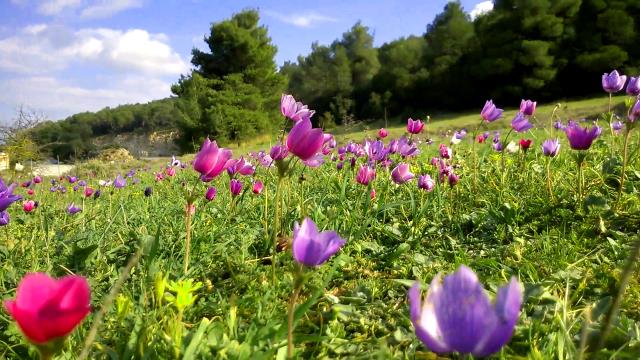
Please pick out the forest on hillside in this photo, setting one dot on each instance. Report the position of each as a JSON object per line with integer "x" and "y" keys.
{"x": 553, "y": 49}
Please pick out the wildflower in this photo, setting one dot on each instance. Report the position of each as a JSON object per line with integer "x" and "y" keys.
{"x": 28, "y": 206}
{"x": 235, "y": 186}
{"x": 551, "y": 147}
{"x": 365, "y": 175}
{"x": 311, "y": 247}
{"x": 414, "y": 126}
{"x": 520, "y": 123}
{"x": 581, "y": 138}
{"x": 210, "y": 160}
{"x": 633, "y": 87}
{"x": 401, "y": 174}
{"x": 304, "y": 141}
{"x": 425, "y": 182}
{"x": 457, "y": 315}
{"x": 148, "y": 191}
{"x": 613, "y": 82}
{"x": 47, "y": 309}
{"x": 527, "y": 107}
{"x": 383, "y": 133}
{"x": 73, "y": 209}
{"x": 258, "y": 186}
{"x": 295, "y": 111}
{"x": 6, "y": 195}
{"x": 211, "y": 193}
{"x": 119, "y": 182}
{"x": 490, "y": 112}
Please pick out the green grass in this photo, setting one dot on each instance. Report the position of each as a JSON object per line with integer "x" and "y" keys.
{"x": 568, "y": 251}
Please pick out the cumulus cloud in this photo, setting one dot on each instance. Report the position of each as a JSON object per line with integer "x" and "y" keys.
{"x": 44, "y": 48}
{"x": 481, "y": 8}
{"x": 301, "y": 20}
{"x": 107, "y": 8}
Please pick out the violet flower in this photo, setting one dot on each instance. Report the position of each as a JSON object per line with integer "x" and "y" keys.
{"x": 311, "y": 247}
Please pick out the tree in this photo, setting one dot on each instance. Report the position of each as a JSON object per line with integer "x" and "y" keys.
{"x": 233, "y": 92}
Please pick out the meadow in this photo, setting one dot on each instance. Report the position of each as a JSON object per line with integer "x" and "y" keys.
{"x": 176, "y": 271}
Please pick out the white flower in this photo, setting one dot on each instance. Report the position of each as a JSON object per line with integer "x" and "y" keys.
{"x": 19, "y": 167}
{"x": 455, "y": 140}
{"x": 512, "y": 147}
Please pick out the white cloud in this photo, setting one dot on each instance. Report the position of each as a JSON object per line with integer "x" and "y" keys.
{"x": 55, "y": 7}
{"x": 107, "y": 8}
{"x": 301, "y": 20}
{"x": 481, "y": 8}
{"x": 45, "y": 48}
{"x": 59, "y": 98}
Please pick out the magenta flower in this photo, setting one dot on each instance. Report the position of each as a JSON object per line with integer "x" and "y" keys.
{"x": 211, "y": 193}
{"x": 414, "y": 126}
{"x": 445, "y": 152}
{"x": 551, "y": 147}
{"x": 295, "y": 111}
{"x": 453, "y": 178}
{"x": 365, "y": 175}
{"x": 613, "y": 82}
{"x": 520, "y": 123}
{"x": 426, "y": 183}
{"x": 581, "y": 138}
{"x": 528, "y": 107}
{"x": 313, "y": 248}
{"x": 239, "y": 166}
{"x": 401, "y": 174}
{"x": 490, "y": 112}
{"x": 258, "y": 186}
{"x": 37, "y": 179}
{"x": 47, "y": 309}
{"x": 383, "y": 133}
{"x": 278, "y": 152}
{"x": 211, "y": 160}
{"x": 28, "y": 206}
{"x": 457, "y": 315}
{"x": 235, "y": 186}
{"x": 304, "y": 141}
{"x": 88, "y": 191}
{"x": 633, "y": 87}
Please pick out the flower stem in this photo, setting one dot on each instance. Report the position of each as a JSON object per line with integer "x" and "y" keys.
{"x": 580, "y": 179}
{"x": 549, "y": 179}
{"x": 187, "y": 221}
{"x": 624, "y": 163}
{"x": 298, "y": 281}
{"x": 276, "y": 226}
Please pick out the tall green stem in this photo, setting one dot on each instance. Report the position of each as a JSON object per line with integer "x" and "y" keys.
{"x": 624, "y": 162}
{"x": 187, "y": 249}
{"x": 549, "y": 179}
{"x": 276, "y": 226}
{"x": 580, "y": 162}
{"x": 297, "y": 286}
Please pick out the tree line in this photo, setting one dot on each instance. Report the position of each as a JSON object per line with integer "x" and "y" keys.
{"x": 541, "y": 49}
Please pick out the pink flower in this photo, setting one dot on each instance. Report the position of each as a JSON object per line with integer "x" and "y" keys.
{"x": 401, "y": 174}
{"x": 414, "y": 126}
{"x": 88, "y": 191}
{"x": 170, "y": 171}
{"x": 257, "y": 187}
{"x": 28, "y": 206}
{"x": 211, "y": 193}
{"x": 46, "y": 309}
{"x": 295, "y": 111}
{"x": 365, "y": 175}
{"x": 303, "y": 141}
{"x": 211, "y": 160}
{"x": 30, "y": 192}
{"x": 382, "y": 133}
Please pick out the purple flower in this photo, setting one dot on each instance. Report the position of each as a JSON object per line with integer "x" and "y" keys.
{"x": 425, "y": 182}
{"x": 311, "y": 247}
{"x": 457, "y": 315}
{"x": 527, "y": 107}
{"x": 211, "y": 160}
{"x": 558, "y": 125}
{"x": 235, "y": 186}
{"x": 119, "y": 182}
{"x": 497, "y": 146}
{"x": 445, "y": 152}
{"x": 278, "y": 152}
{"x": 633, "y": 87}
{"x": 581, "y": 138}
{"x": 315, "y": 161}
{"x": 4, "y": 218}
{"x": 73, "y": 209}
{"x": 616, "y": 126}
{"x": 375, "y": 150}
{"x": 490, "y": 112}
{"x": 414, "y": 126}
{"x": 304, "y": 141}
{"x": 148, "y": 191}
{"x": 635, "y": 112}
{"x": 551, "y": 147}
{"x": 212, "y": 192}
{"x": 340, "y": 165}
{"x": 295, "y": 111}
{"x": 401, "y": 174}
{"x": 365, "y": 175}
{"x": 6, "y": 195}
{"x": 97, "y": 194}
{"x": 520, "y": 123}
{"x": 613, "y": 82}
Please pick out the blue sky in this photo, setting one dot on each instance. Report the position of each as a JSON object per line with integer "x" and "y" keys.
{"x": 60, "y": 57}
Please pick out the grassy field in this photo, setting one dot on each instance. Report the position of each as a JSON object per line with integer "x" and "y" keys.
{"x": 511, "y": 214}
